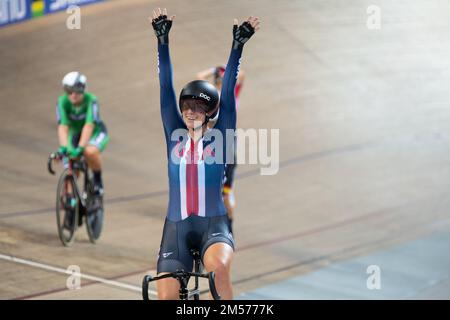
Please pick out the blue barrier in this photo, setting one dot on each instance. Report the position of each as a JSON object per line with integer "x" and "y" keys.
{"x": 14, "y": 11}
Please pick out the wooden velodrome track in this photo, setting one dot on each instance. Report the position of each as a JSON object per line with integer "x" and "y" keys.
{"x": 364, "y": 123}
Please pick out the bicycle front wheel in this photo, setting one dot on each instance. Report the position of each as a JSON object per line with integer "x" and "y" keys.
{"x": 67, "y": 208}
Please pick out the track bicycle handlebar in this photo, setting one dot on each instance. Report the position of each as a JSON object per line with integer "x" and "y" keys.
{"x": 78, "y": 162}
{"x": 181, "y": 276}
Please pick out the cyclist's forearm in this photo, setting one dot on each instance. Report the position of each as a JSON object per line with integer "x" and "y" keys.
{"x": 230, "y": 78}
{"x": 165, "y": 67}
{"x": 167, "y": 92}
{"x": 86, "y": 134}
{"x": 63, "y": 134}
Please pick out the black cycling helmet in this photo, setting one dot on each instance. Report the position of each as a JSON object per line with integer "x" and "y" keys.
{"x": 203, "y": 91}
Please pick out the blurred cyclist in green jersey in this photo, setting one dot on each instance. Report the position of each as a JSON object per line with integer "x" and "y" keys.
{"x": 81, "y": 132}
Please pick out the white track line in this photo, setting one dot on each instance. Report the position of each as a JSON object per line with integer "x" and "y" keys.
{"x": 82, "y": 275}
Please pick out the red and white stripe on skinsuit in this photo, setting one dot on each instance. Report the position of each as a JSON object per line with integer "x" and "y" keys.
{"x": 192, "y": 180}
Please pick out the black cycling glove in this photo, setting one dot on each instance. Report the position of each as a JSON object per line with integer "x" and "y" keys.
{"x": 162, "y": 26}
{"x": 241, "y": 34}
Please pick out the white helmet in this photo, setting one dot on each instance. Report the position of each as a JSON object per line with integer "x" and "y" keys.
{"x": 74, "y": 81}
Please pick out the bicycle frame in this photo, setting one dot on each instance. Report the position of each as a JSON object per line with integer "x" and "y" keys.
{"x": 73, "y": 166}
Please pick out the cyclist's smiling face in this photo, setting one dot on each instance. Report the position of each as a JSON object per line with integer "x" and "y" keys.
{"x": 193, "y": 113}
{"x": 76, "y": 98}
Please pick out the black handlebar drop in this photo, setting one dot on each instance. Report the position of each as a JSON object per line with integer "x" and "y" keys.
{"x": 212, "y": 286}
{"x": 51, "y": 157}
{"x": 145, "y": 282}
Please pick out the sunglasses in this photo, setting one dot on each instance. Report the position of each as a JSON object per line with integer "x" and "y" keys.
{"x": 69, "y": 92}
{"x": 193, "y": 107}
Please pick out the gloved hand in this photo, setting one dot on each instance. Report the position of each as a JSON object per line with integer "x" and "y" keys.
{"x": 161, "y": 24}
{"x": 62, "y": 151}
{"x": 75, "y": 153}
{"x": 242, "y": 33}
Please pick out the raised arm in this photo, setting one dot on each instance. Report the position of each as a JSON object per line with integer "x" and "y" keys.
{"x": 169, "y": 109}
{"x": 241, "y": 34}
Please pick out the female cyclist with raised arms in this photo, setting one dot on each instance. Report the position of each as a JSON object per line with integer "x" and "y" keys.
{"x": 196, "y": 216}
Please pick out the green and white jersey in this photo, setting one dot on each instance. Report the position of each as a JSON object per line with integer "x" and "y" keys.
{"x": 75, "y": 117}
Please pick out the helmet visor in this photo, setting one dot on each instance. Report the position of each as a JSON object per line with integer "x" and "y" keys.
{"x": 70, "y": 89}
{"x": 195, "y": 105}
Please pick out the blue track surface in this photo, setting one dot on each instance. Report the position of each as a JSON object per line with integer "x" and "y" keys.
{"x": 417, "y": 270}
